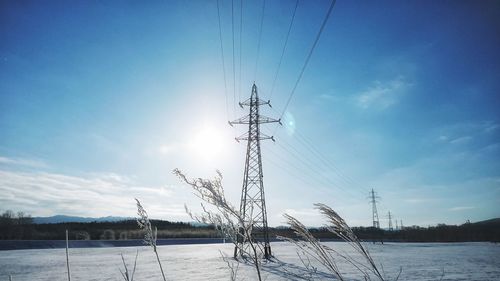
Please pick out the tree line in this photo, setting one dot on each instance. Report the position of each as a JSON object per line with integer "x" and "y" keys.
{"x": 20, "y": 226}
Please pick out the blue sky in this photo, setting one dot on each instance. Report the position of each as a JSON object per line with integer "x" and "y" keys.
{"x": 100, "y": 100}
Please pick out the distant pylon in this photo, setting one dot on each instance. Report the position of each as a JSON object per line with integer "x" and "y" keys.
{"x": 373, "y": 200}
{"x": 390, "y": 220}
{"x": 401, "y": 224}
{"x": 253, "y": 203}
{"x": 397, "y": 227}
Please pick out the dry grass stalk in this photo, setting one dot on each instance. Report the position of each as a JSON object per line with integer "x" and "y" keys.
{"x": 309, "y": 245}
{"x": 226, "y": 219}
{"x": 339, "y": 227}
{"x": 233, "y": 267}
{"x": 327, "y": 256}
{"x": 125, "y": 274}
{"x": 67, "y": 256}
{"x": 150, "y": 236}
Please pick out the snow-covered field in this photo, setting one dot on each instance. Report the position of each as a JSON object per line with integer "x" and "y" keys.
{"x": 419, "y": 261}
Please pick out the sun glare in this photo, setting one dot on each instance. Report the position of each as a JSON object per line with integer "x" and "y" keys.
{"x": 208, "y": 143}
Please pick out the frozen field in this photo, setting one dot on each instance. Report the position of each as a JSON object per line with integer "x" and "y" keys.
{"x": 420, "y": 261}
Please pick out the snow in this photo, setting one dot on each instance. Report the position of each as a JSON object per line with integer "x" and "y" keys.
{"x": 419, "y": 261}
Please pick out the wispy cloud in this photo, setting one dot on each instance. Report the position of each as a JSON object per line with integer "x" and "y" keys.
{"x": 461, "y": 208}
{"x": 329, "y": 97}
{"x": 382, "y": 95}
{"x": 419, "y": 200}
{"x": 302, "y": 212}
{"x": 461, "y": 140}
{"x": 22, "y": 162}
{"x": 463, "y": 133}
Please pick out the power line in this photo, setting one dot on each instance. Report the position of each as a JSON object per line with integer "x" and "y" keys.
{"x": 325, "y": 20}
{"x": 317, "y": 169}
{"x": 234, "y": 71}
{"x": 320, "y": 172}
{"x": 241, "y": 50}
{"x": 330, "y": 166}
{"x": 311, "y": 175}
{"x": 286, "y": 170}
{"x": 284, "y": 48}
{"x": 295, "y": 175}
{"x": 222, "y": 56}
{"x": 348, "y": 180}
{"x": 260, "y": 39}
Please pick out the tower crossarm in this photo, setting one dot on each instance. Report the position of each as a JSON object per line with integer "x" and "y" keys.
{"x": 257, "y": 101}
{"x": 262, "y": 136}
{"x": 248, "y": 120}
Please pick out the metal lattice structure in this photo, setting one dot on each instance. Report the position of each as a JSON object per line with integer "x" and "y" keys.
{"x": 373, "y": 199}
{"x": 254, "y": 227}
{"x": 389, "y": 216}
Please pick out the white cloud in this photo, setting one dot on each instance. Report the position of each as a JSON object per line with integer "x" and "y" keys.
{"x": 94, "y": 195}
{"x": 383, "y": 95}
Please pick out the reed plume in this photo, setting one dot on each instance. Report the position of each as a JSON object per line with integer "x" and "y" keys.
{"x": 327, "y": 256}
{"x": 149, "y": 236}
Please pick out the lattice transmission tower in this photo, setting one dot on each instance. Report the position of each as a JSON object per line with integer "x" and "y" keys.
{"x": 373, "y": 200}
{"x": 253, "y": 203}
{"x": 389, "y": 216}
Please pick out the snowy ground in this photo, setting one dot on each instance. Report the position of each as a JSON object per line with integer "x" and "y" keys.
{"x": 419, "y": 261}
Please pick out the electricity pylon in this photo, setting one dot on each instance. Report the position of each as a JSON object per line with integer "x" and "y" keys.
{"x": 389, "y": 215}
{"x": 401, "y": 224}
{"x": 373, "y": 199}
{"x": 253, "y": 204}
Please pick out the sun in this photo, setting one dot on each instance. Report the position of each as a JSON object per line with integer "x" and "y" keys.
{"x": 208, "y": 143}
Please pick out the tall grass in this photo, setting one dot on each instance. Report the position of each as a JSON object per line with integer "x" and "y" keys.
{"x": 228, "y": 221}
{"x": 67, "y": 256}
{"x": 226, "y": 218}
{"x": 150, "y": 236}
{"x": 129, "y": 276}
{"x": 327, "y": 256}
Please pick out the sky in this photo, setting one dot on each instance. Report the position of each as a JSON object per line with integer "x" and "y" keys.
{"x": 101, "y": 100}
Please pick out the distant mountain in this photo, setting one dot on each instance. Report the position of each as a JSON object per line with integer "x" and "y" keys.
{"x": 490, "y": 221}
{"x": 63, "y": 218}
